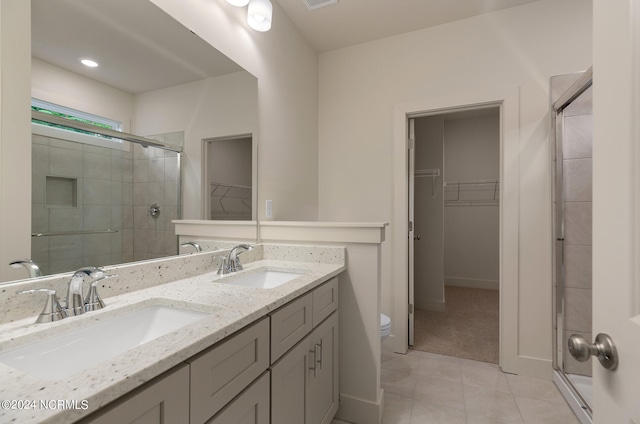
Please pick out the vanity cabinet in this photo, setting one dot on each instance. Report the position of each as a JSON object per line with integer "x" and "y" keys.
{"x": 163, "y": 400}
{"x": 281, "y": 369}
{"x": 304, "y": 381}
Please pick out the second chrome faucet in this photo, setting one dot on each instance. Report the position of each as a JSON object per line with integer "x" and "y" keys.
{"x": 232, "y": 262}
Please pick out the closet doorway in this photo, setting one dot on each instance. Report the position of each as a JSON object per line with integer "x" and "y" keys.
{"x": 454, "y": 192}
{"x": 227, "y": 178}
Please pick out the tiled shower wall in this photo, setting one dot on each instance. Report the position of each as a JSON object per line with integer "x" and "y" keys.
{"x": 577, "y": 163}
{"x": 81, "y": 188}
{"x": 77, "y": 188}
{"x": 155, "y": 181}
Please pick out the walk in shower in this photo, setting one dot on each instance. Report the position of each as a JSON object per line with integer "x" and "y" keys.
{"x": 99, "y": 201}
{"x": 572, "y": 134}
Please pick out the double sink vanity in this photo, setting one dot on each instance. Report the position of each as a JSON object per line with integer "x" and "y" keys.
{"x": 259, "y": 342}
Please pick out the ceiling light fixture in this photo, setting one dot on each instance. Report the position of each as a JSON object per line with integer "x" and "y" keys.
{"x": 259, "y": 15}
{"x": 90, "y": 63}
{"x": 238, "y": 3}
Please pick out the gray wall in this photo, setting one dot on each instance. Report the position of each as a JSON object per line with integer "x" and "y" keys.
{"x": 471, "y": 245}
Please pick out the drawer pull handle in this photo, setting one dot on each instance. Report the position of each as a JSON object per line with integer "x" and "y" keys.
{"x": 316, "y": 347}
{"x": 317, "y": 358}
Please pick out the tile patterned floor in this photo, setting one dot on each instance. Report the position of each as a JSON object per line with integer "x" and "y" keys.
{"x": 428, "y": 388}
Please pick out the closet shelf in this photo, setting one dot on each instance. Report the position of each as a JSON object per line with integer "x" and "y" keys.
{"x": 472, "y": 193}
{"x": 230, "y": 201}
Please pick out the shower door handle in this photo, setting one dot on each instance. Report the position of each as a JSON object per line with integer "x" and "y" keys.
{"x": 603, "y": 348}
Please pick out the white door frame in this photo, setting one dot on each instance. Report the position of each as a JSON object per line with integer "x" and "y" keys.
{"x": 411, "y": 154}
{"x": 507, "y": 98}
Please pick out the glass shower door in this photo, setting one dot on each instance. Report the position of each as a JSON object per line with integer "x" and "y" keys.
{"x": 573, "y": 122}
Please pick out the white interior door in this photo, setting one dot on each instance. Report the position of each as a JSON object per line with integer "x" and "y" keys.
{"x": 410, "y": 239}
{"x": 616, "y": 207}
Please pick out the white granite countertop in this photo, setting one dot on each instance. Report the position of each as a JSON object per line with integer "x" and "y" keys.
{"x": 231, "y": 308}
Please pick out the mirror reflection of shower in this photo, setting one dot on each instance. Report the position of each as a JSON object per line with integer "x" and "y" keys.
{"x": 91, "y": 197}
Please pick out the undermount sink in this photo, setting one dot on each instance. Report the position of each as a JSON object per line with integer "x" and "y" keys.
{"x": 265, "y": 279}
{"x": 60, "y": 356}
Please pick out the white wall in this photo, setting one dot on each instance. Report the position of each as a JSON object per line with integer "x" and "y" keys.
{"x": 215, "y": 107}
{"x": 287, "y": 70}
{"x": 56, "y": 85}
{"x": 360, "y": 85}
{"x": 15, "y": 135}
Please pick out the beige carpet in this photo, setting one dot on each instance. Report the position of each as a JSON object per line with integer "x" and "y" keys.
{"x": 467, "y": 329}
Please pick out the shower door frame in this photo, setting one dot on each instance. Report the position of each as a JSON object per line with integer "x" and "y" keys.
{"x": 582, "y": 84}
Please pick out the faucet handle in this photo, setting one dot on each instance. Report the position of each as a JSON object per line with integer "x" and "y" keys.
{"x": 52, "y": 310}
{"x": 93, "y": 301}
{"x": 224, "y": 266}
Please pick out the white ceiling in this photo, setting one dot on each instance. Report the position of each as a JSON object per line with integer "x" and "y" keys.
{"x": 139, "y": 47}
{"x": 353, "y": 22}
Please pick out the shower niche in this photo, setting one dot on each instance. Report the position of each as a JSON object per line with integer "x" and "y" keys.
{"x": 61, "y": 192}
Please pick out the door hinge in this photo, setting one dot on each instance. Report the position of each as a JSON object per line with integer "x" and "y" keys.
{"x": 411, "y": 137}
{"x": 410, "y": 308}
{"x": 410, "y": 225}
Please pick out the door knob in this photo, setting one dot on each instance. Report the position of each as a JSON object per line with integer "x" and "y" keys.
{"x": 603, "y": 348}
{"x": 416, "y": 237}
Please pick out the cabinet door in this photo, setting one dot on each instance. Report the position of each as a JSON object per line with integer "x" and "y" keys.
{"x": 323, "y": 388}
{"x": 164, "y": 400}
{"x": 290, "y": 324}
{"x": 288, "y": 385}
{"x": 325, "y": 300}
{"x": 219, "y": 374}
{"x": 250, "y": 407}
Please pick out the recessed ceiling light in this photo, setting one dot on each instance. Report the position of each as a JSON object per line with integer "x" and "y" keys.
{"x": 89, "y": 62}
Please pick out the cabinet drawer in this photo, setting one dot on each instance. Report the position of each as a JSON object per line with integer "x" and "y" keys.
{"x": 290, "y": 324}
{"x": 252, "y": 406}
{"x": 220, "y": 373}
{"x": 325, "y": 300}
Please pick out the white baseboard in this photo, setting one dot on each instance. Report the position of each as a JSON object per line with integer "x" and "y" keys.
{"x": 360, "y": 411}
{"x": 472, "y": 283}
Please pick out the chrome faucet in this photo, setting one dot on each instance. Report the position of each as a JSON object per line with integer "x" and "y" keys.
{"x": 75, "y": 298}
{"x": 193, "y": 244}
{"x": 76, "y": 303}
{"x": 233, "y": 263}
{"x": 32, "y": 267}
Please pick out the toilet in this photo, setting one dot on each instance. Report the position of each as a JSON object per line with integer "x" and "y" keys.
{"x": 385, "y": 327}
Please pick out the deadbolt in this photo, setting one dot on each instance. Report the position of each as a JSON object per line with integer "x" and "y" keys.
{"x": 603, "y": 348}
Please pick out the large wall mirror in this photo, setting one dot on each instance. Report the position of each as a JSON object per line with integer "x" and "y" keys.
{"x": 93, "y": 200}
